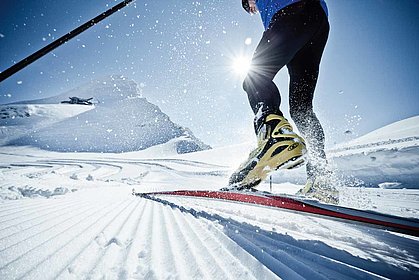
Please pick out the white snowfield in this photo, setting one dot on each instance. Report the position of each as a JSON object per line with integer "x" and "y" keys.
{"x": 73, "y": 215}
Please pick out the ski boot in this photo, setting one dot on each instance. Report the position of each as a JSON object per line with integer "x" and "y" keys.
{"x": 321, "y": 186}
{"x": 278, "y": 147}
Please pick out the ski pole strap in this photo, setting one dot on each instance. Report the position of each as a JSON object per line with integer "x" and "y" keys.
{"x": 40, "y": 53}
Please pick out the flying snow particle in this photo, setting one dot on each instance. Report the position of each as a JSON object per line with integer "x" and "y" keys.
{"x": 2, "y": 35}
{"x": 248, "y": 41}
{"x": 19, "y": 82}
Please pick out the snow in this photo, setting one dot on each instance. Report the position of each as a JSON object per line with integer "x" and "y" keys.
{"x": 386, "y": 155}
{"x": 401, "y": 130}
{"x": 72, "y": 215}
{"x": 120, "y": 121}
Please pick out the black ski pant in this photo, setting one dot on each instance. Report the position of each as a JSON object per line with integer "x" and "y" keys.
{"x": 296, "y": 38}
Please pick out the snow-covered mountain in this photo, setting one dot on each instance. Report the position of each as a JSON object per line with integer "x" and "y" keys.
{"x": 120, "y": 121}
{"x": 386, "y": 157}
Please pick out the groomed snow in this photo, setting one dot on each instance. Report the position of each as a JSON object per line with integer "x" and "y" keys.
{"x": 72, "y": 216}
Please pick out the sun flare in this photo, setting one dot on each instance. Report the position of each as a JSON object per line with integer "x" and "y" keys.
{"x": 241, "y": 65}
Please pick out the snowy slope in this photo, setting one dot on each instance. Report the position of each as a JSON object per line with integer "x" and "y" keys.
{"x": 387, "y": 157}
{"x": 121, "y": 121}
{"x": 401, "y": 131}
{"x": 72, "y": 216}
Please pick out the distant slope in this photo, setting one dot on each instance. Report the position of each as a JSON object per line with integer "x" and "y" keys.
{"x": 17, "y": 120}
{"x": 121, "y": 121}
{"x": 388, "y": 156}
{"x": 402, "y": 131}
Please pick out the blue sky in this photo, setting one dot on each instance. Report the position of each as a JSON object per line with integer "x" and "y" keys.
{"x": 182, "y": 51}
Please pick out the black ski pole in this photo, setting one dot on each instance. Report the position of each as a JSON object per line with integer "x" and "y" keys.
{"x": 40, "y": 53}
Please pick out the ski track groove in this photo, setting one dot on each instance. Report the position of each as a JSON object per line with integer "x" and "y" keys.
{"x": 212, "y": 246}
{"x": 18, "y": 205}
{"x": 248, "y": 236}
{"x": 236, "y": 255}
{"x": 189, "y": 261}
{"x": 36, "y": 226}
{"x": 107, "y": 258}
{"x": 132, "y": 240}
{"x": 54, "y": 259}
{"x": 82, "y": 260}
{"x": 45, "y": 243}
{"x": 286, "y": 264}
{"x": 198, "y": 248}
{"x": 281, "y": 254}
{"x": 196, "y": 269}
{"x": 301, "y": 259}
{"x": 29, "y": 207}
{"x": 44, "y": 214}
{"x": 161, "y": 256}
{"x": 142, "y": 267}
{"x": 273, "y": 264}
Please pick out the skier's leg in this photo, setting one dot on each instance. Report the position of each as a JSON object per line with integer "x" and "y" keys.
{"x": 258, "y": 84}
{"x": 304, "y": 71}
{"x": 278, "y": 146}
{"x": 286, "y": 35}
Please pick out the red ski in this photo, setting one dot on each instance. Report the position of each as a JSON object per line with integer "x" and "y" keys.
{"x": 344, "y": 214}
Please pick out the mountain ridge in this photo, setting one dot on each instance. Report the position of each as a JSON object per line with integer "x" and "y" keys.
{"x": 122, "y": 120}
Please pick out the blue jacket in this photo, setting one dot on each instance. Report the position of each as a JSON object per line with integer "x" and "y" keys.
{"x": 268, "y": 8}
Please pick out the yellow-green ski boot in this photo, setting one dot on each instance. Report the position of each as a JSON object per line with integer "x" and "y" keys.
{"x": 278, "y": 147}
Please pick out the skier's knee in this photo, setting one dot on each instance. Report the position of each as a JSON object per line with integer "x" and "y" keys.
{"x": 254, "y": 81}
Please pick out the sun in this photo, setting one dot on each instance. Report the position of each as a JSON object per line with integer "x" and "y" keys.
{"x": 241, "y": 65}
